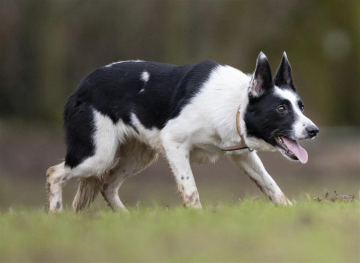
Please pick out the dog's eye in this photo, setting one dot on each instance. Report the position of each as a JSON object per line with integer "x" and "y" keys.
{"x": 281, "y": 108}
{"x": 302, "y": 107}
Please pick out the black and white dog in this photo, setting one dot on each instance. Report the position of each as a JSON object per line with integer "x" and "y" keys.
{"x": 123, "y": 115}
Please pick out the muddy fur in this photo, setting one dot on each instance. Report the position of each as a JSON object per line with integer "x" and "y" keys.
{"x": 88, "y": 189}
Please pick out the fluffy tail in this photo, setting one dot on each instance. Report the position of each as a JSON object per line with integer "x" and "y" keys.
{"x": 88, "y": 189}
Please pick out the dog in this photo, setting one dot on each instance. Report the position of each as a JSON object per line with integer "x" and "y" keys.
{"x": 124, "y": 115}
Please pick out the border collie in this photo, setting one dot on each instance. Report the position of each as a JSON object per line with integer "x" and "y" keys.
{"x": 123, "y": 115}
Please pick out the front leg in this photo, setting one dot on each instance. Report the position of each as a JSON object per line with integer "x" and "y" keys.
{"x": 252, "y": 166}
{"x": 177, "y": 153}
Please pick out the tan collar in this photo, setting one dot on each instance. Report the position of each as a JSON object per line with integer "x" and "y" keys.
{"x": 239, "y": 146}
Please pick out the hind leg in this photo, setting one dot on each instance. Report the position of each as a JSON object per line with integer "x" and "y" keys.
{"x": 58, "y": 175}
{"x": 134, "y": 157}
{"x": 105, "y": 143}
{"x": 56, "y": 178}
{"x": 110, "y": 187}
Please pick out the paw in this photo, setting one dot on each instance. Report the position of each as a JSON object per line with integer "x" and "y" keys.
{"x": 55, "y": 206}
{"x": 281, "y": 199}
{"x": 192, "y": 200}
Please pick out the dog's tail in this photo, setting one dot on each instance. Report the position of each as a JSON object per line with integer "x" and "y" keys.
{"x": 88, "y": 189}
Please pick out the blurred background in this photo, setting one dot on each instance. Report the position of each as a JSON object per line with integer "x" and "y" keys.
{"x": 48, "y": 46}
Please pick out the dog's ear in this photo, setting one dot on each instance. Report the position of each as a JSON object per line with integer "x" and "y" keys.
{"x": 283, "y": 75}
{"x": 262, "y": 79}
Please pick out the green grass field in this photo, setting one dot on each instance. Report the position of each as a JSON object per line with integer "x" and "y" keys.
{"x": 252, "y": 231}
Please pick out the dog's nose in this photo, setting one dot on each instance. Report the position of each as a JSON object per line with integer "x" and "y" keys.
{"x": 312, "y": 130}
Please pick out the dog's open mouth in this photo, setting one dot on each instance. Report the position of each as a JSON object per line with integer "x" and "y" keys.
{"x": 292, "y": 149}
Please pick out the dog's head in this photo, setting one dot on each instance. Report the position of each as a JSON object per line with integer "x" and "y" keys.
{"x": 274, "y": 117}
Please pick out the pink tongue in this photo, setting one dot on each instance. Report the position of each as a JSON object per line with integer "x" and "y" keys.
{"x": 296, "y": 149}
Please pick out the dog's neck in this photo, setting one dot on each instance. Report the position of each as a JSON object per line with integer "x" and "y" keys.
{"x": 230, "y": 91}
{"x": 242, "y": 145}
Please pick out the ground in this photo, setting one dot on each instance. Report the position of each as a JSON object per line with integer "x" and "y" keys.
{"x": 158, "y": 229}
{"x": 250, "y": 231}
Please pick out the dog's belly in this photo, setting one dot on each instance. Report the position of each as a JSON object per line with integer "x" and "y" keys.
{"x": 205, "y": 154}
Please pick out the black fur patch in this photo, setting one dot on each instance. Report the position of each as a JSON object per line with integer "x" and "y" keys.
{"x": 283, "y": 77}
{"x": 78, "y": 124}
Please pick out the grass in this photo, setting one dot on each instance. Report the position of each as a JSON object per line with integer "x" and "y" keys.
{"x": 252, "y": 231}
